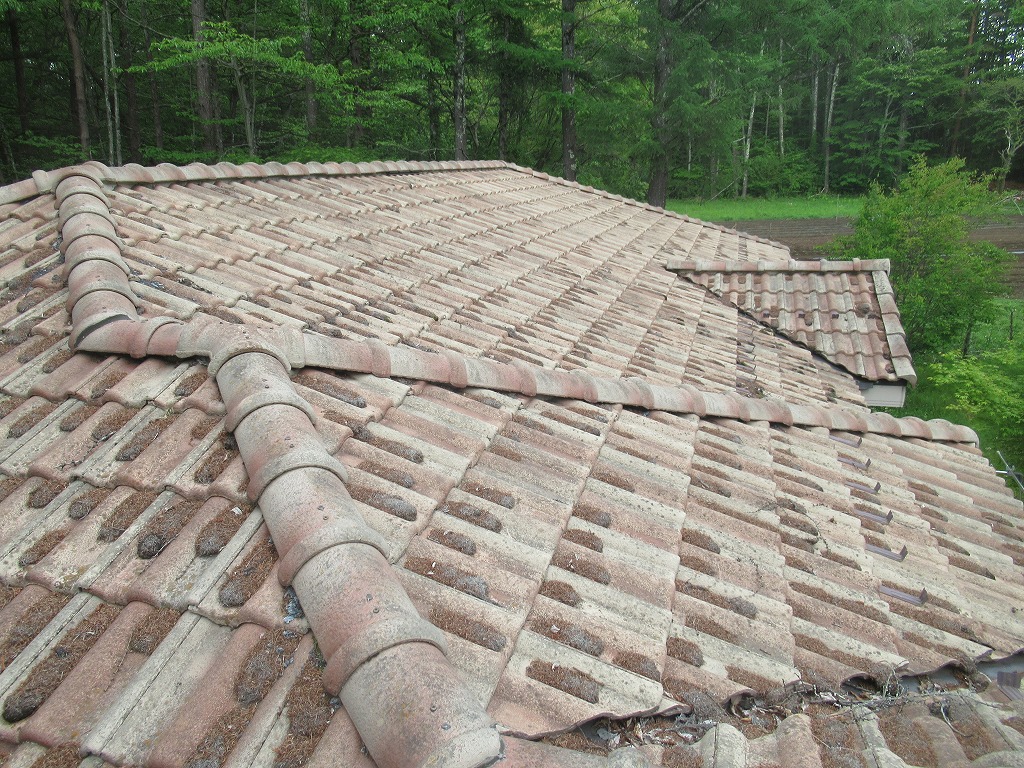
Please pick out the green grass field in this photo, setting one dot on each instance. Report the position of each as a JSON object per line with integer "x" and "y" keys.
{"x": 818, "y": 207}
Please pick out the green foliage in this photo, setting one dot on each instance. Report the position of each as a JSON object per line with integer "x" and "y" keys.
{"x": 370, "y": 79}
{"x": 944, "y": 283}
{"x": 789, "y": 175}
{"x": 989, "y": 387}
{"x": 1001, "y": 108}
{"x": 221, "y": 42}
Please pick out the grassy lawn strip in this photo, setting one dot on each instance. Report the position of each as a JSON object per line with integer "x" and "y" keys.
{"x": 751, "y": 209}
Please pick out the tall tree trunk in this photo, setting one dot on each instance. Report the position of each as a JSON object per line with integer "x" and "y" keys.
{"x": 782, "y": 112}
{"x": 954, "y": 141}
{"x": 307, "y": 54}
{"x": 829, "y": 112}
{"x": 504, "y": 87}
{"x": 19, "y": 69}
{"x": 111, "y": 99}
{"x": 569, "y": 140}
{"x": 212, "y": 140}
{"x": 901, "y": 139}
{"x": 130, "y": 88}
{"x": 747, "y": 141}
{"x": 459, "y": 83}
{"x": 433, "y": 117}
{"x": 105, "y": 49}
{"x": 154, "y": 90}
{"x": 78, "y": 75}
{"x": 814, "y": 105}
{"x": 657, "y": 187}
{"x": 5, "y": 146}
{"x": 248, "y": 108}
{"x": 355, "y": 133}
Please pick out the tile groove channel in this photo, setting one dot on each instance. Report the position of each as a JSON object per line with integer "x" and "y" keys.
{"x": 384, "y": 661}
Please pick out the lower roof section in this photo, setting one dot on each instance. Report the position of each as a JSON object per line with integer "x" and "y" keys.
{"x": 581, "y": 560}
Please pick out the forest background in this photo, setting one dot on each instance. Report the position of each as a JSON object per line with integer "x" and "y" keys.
{"x": 653, "y": 99}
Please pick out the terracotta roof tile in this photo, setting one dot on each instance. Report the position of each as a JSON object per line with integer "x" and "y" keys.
{"x": 845, "y": 311}
{"x": 566, "y": 559}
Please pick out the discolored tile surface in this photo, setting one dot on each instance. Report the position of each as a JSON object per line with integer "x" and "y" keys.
{"x": 581, "y": 560}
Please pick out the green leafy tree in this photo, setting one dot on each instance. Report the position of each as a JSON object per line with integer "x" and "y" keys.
{"x": 1001, "y": 108}
{"x": 944, "y": 283}
{"x": 989, "y": 388}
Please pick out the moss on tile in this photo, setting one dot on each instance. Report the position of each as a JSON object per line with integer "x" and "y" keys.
{"x": 685, "y": 651}
{"x": 28, "y": 420}
{"x": 584, "y": 539}
{"x": 163, "y": 528}
{"x": 30, "y": 623}
{"x": 118, "y": 521}
{"x": 682, "y": 757}
{"x": 143, "y": 439}
{"x": 577, "y": 742}
{"x": 387, "y": 472}
{"x": 976, "y": 739}
{"x": 592, "y": 514}
{"x": 453, "y": 540}
{"x": 111, "y": 424}
{"x": 471, "y": 514}
{"x": 111, "y": 377}
{"x": 386, "y": 502}
{"x": 309, "y": 712}
{"x": 218, "y": 742}
{"x": 468, "y": 628}
{"x": 218, "y": 532}
{"x": 57, "y": 360}
{"x": 700, "y": 539}
{"x": 450, "y": 576}
{"x": 42, "y": 547}
{"x": 45, "y": 493}
{"x": 77, "y": 417}
{"x": 66, "y": 755}
{"x": 191, "y": 383}
{"x": 487, "y": 493}
{"x": 152, "y": 630}
{"x": 572, "y": 681}
{"x": 562, "y": 592}
{"x": 246, "y": 578}
{"x": 838, "y": 739}
{"x": 567, "y": 633}
{"x": 264, "y": 665}
{"x": 49, "y": 673}
{"x": 638, "y": 664}
{"x": 222, "y": 453}
{"x": 84, "y": 503}
{"x": 585, "y": 566}
{"x": 708, "y": 626}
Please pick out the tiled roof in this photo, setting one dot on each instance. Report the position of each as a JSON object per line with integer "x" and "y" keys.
{"x": 843, "y": 310}
{"x": 450, "y": 442}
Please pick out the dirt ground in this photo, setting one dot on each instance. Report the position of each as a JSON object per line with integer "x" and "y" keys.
{"x": 807, "y": 236}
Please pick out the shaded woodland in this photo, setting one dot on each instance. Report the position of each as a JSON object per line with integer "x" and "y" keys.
{"x": 653, "y": 99}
